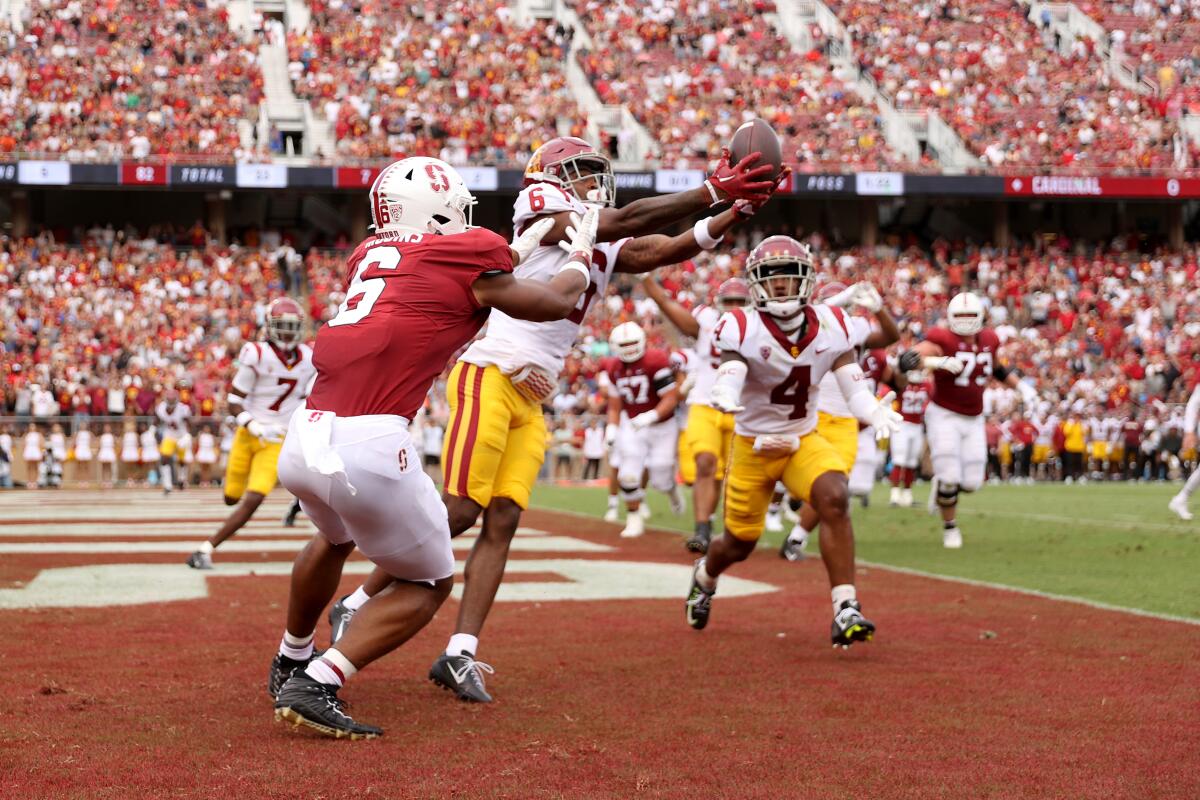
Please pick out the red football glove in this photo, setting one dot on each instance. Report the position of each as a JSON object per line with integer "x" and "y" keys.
{"x": 741, "y": 181}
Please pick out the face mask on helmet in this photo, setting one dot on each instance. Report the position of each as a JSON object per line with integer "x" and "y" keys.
{"x": 628, "y": 341}
{"x": 590, "y": 178}
{"x": 965, "y": 314}
{"x": 285, "y": 329}
{"x": 781, "y": 286}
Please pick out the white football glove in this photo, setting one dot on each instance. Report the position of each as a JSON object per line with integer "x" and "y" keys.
{"x": 610, "y": 435}
{"x": 1029, "y": 395}
{"x": 867, "y": 296}
{"x": 885, "y": 421}
{"x": 645, "y": 419}
{"x": 531, "y": 239}
{"x": 886, "y": 401}
{"x": 581, "y": 235}
{"x": 776, "y": 444}
{"x": 844, "y": 297}
{"x": 722, "y": 398}
{"x": 256, "y": 429}
{"x": 944, "y": 363}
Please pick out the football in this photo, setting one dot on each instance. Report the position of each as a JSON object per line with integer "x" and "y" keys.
{"x": 757, "y": 136}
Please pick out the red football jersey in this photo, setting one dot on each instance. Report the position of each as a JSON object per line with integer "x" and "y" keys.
{"x": 641, "y": 384}
{"x": 408, "y": 308}
{"x": 873, "y": 363}
{"x": 913, "y": 401}
{"x": 963, "y": 393}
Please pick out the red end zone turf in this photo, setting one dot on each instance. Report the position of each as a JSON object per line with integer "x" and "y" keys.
{"x": 967, "y": 692}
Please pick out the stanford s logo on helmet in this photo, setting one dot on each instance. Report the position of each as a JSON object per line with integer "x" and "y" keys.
{"x": 781, "y": 276}
{"x": 285, "y": 323}
{"x": 567, "y": 159}
{"x": 421, "y": 195}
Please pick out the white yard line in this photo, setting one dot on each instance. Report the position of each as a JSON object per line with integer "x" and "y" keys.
{"x": 1137, "y": 612}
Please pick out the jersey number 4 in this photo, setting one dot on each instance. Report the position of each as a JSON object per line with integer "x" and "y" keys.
{"x": 794, "y": 392}
{"x": 362, "y": 294}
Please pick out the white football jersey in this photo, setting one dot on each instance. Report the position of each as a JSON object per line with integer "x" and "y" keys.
{"x": 172, "y": 422}
{"x": 708, "y": 358}
{"x": 510, "y": 343}
{"x": 830, "y": 398}
{"x": 274, "y": 382}
{"x": 783, "y": 371}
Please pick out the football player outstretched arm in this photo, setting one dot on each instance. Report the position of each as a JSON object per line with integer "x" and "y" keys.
{"x": 864, "y": 295}
{"x": 859, "y": 399}
{"x": 672, "y": 310}
{"x": 647, "y": 253}
{"x": 927, "y": 355}
{"x": 535, "y": 300}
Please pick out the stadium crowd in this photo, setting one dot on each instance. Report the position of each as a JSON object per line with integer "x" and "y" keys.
{"x": 694, "y": 71}
{"x": 100, "y": 328}
{"x": 459, "y": 80}
{"x": 1000, "y": 82}
{"x": 101, "y": 81}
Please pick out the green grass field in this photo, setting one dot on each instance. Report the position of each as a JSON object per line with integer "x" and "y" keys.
{"x": 1108, "y": 543}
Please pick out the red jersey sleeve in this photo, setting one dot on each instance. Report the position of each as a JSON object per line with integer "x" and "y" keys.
{"x": 944, "y": 339}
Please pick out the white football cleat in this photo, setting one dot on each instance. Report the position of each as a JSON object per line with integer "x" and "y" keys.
{"x": 1179, "y": 505}
{"x": 635, "y": 526}
{"x": 678, "y": 504}
{"x": 952, "y": 539}
{"x": 612, "y": 515}
{"x": 774, "y": 522}
{"x": 906, "y": 500}
{"x": 644, "y": 510}
{"x": 894, "y": 497}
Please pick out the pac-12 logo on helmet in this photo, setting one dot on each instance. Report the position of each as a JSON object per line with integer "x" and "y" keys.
{"x": 285, "y": 323}
{"x": 420, "y": 195}
{"x": 568, "y": 160}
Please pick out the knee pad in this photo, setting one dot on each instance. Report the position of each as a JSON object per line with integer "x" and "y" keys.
{"x": 947, "y": 494}
{"x": 632, "y": 492}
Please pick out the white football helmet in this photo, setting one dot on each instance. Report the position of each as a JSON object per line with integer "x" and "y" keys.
{"x": 965, "y": 314}
{"x": 421, "y": 195}
{"x": 628, "y": 342}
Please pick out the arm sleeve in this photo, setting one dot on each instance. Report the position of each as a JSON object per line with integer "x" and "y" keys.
{"x": 858, "y": 329}
{"x": 247, "y": 368}
{"x": 1191, "y": 414}
{"x": 664, "y": 380}
{"x": 853, "y": 384}
{"x": 730, "y": 333}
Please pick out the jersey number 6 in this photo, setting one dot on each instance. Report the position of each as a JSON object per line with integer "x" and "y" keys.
{"x": 362, "y": 294}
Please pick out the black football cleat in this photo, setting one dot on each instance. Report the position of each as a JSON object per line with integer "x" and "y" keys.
{"x": 289, "y": 519}
{"x": 339, "y": 621}
{"x": 462, "y": 675}
{"x": 282, "y": 668}
{"x": 699, "y": 601}
{"x": 700, "y": 539}
{"x": 850, "y": 626}
{"x": 304, "y": 701}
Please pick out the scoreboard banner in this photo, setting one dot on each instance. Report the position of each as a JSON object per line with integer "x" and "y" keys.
{"x": 1166, "y": 188}
{"x": 268, "y": 176}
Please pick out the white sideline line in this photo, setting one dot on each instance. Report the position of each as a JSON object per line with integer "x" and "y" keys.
{"x": 1178, "y": 527}
{"x": 1137, "y": 612}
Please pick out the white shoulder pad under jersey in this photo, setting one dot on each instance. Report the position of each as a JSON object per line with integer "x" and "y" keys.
{"x": 708, "y": 358}
{"x": 511, "y": 343}
{"x": 783, "y": 370}
{"x": 831, "y": 399}
{"x": 274, "y": 381}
